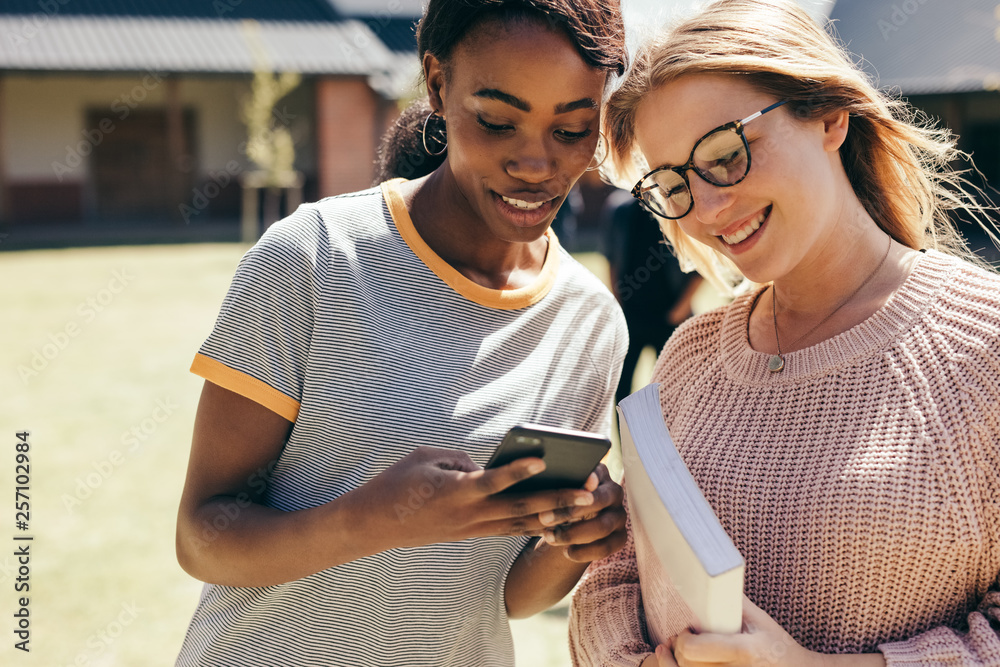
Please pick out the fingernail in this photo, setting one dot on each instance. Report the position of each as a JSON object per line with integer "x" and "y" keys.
{"x": 547, "y": 517}
{"x": 584, "y": 500}
{"x": 536, "y": 467}
{"x": 549, "y": 537}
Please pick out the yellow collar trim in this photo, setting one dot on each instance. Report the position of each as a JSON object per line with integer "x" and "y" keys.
{"x": 505, "y": 299}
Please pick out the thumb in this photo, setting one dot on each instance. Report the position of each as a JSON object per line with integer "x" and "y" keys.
{"x": 753, "y": 616}
{"x": 495, "y": 480}
{"x": 665, "y": 654}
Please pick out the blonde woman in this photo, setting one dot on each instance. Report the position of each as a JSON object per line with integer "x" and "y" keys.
{"x": 842, "y": 415}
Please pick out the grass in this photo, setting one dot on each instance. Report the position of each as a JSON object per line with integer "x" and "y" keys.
{"x": 110, "y": 406}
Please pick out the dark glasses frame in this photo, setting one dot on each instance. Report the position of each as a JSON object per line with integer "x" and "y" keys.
{"x": 736, "y": 126}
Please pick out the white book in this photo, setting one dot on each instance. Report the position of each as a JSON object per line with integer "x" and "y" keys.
{"x": 690, "y": 573}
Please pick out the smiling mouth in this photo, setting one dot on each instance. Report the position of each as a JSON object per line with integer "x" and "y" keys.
{"x": 524, "y": 205}
{"x": 746, "y": 230}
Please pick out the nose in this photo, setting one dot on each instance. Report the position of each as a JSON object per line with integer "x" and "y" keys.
{"x": 709, "y": 200}
{"x": 532, "y": 162}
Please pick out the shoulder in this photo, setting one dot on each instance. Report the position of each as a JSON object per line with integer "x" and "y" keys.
{"x": 976, "y": 286}
{"x": 966, "y": 311}
{"x": 579, "y": 280}
{"x": 585, "y": 305}
{"x": 962, "y": 333}
{"x": 952, "y": 349}
{"x": 699, "y": 337}
{"x": 306, "y": 235}
{"x": 578, "y": 284}
{"x": 355, "y": 214}
{"x": 694, "y": 351}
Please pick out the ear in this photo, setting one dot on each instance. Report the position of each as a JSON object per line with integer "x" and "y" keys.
{"x": 434, "y": 75}
{"x": 835, "y": 131}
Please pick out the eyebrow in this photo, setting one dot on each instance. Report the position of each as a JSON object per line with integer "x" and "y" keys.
{"x": 518, "y": 103}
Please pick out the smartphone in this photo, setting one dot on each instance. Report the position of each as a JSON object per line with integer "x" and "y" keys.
{"x": 570, "y": 456}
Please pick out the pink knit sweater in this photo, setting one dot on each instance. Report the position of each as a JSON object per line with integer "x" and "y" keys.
{"x": 861, "y": 484}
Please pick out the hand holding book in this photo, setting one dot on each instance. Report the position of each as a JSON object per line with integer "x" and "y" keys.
{"x": 762, "y": 642}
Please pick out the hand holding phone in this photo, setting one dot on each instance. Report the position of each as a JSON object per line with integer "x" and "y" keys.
{"x": 570, "y": 456}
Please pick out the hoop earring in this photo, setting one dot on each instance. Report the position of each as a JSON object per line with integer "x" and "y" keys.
{"x": 602, "y": 143}
{"x": 444, "y": 132}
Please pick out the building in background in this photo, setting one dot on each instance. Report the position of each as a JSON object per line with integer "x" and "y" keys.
{"x": 117, "y": 115}
{"x": 394, "y": 22}
{"x": 944, "y": 58}
{"x": 127, "y": 112}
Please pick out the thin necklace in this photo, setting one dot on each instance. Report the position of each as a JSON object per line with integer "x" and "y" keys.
{"x": 777, "y": 362}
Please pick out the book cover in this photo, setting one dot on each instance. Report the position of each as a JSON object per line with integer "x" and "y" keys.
{"x": 690, "y": 573}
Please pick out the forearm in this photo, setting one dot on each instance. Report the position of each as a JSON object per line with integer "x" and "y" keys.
{"x": 539, "y": 579}
{"x": 231, "y": 541}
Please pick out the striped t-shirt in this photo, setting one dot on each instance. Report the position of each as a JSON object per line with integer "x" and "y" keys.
{"x": 342, "y": 320}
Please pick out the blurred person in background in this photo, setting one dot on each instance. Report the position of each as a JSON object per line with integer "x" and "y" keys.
{"x": 653, "y": 290}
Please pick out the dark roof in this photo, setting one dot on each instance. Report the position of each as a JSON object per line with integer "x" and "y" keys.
{"x": 394, "y": 22}
{"x": 261, "y": 10}
{"x": 924, "y": 46}
{"x": 399, "y": 34}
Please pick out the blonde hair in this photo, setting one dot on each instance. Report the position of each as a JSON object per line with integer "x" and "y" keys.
{"x": 897, "y": 162}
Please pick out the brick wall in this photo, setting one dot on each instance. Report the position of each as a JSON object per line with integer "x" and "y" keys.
{"x": 349, "y": 121}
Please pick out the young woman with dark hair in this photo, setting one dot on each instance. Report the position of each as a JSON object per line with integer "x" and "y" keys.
{"x": 375, "y": 347}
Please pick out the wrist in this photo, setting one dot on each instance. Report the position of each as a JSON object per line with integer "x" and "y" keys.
{"x": 555, "y": 561}
{"x": 352, "y": 528}
{"x": 539, "y": 579}
{"x": 847, "y": 660}
{"x": 650, "y": 661}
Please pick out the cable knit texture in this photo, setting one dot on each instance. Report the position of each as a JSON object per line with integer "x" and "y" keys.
{"x": 861, "y": 484}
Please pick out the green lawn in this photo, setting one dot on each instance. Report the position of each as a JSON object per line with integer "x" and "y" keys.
{"x": 96, "y": 347}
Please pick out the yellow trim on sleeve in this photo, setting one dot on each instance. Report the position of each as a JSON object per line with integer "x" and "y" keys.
{"x": 507, "y": 299}
{"x": 246, "y": 386}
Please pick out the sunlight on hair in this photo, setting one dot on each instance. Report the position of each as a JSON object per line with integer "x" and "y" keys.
{"x": 898, "y": 161}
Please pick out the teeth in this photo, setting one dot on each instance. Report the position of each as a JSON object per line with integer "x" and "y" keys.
{"x": 746, "y": 231}
{"x": 519, "y": 203}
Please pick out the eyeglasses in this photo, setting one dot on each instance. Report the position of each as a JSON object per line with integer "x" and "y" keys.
{"x": 721, "y": 157}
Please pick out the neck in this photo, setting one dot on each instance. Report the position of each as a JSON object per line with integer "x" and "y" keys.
{"x": 448, "y": 224}
{"x": 835, "y": 267}
{"x": 832, "y": 289}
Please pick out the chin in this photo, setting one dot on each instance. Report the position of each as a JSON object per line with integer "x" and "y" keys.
{"x": 522, "y": 234}
{"x": 509, "y": 230}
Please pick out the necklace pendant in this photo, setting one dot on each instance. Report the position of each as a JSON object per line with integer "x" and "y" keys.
{"x": 776, "y": 364}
